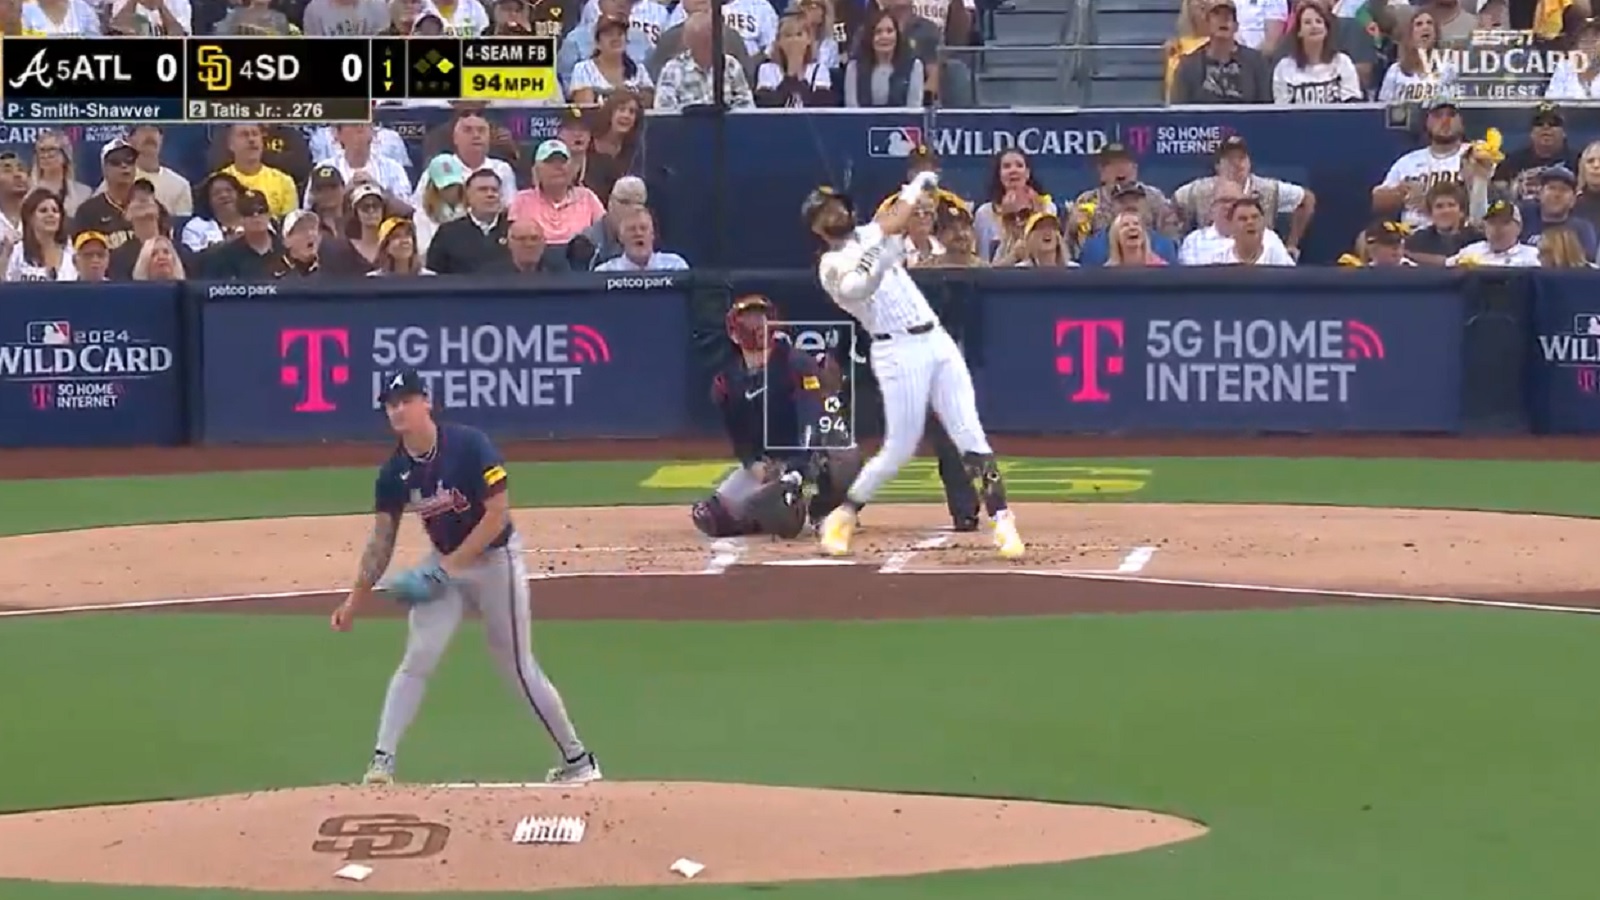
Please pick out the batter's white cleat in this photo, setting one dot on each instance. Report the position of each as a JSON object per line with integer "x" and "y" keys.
{"x": 836, "y": 531}
{"x": 582, "y": 771}
{"x": 1006, "y": 539}
{"x": 381, "y": 770}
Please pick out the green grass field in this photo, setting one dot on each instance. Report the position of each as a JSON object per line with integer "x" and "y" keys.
{"x": 1371, "y": 753}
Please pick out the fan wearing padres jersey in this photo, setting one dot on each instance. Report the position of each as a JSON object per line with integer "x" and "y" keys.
{"x": 915, "y": 360}
{"x": 1407, "y": 183}
{"x": 754, "y": 20}
{"x": 455, "y": 480}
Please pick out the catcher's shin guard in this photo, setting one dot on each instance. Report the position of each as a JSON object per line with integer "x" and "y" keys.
{"x": 776, "y": 509}
{"x": 714, "y": 520}
{"x": 985, "y": 469}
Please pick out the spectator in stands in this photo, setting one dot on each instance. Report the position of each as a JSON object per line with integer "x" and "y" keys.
{"x": 1249, "y": 246}
{"x": 343, "y": 18}
{"x": 91, "y": 256}
{"x": 639, "y": 253}
{"x": 14, "y": 187}
{"x": 151, "y": 18}
{"x": 528, "y": 253}
{"x": 1568, "y": 82}
{"x": 386, "y": 142}
{"x": 604, "y": 236}
{"x": 217, "y": 217}
{"x": 1406, "y": 184}
{"x": 1558, "y": 195}
{"x": 1448, "y": 230}
{"x": 255, "y": 18}
{"x": 1126, "y": 197}
{"x": 883, "y": 71}
{"x": 472, "y": 141}
{"x": 43, "y": 253}
{"x": 609, "y": 68}
{"x": 922, "y": 248}
{"x": 1314, "y": 73}
{"x": 1014, "y": 194}
{"x": 105, "y": 211}
{"x": 10, "y": 17}
{"x": 476, "y": 241}
{"x": 1042, "y": 244}
{"x": 922, "y": 38}
{"x": 173, "y": 191}
{"x": 245, "y": 147}
{"x": 923, "y": 159}
{"x": 443, "y": 198}
{"x": 613, "y": 145}
{"x": 58, "y": 18}
{"x": 1547, "y": 146}
{"x": 252, "y": 254}
{"x": 302, "y": 240}
{"x": 793, "y": 75}
{"x": 1501, "y": 246}
{"x": 397, "y": 250}
{"x": 1130, "y": 243}
{"x": 1588, "y": 206}
{"x": 282, "y": 147}
{"x": 1203, "y": 245}
{"x": 429, "y": 24}
{"x": 954, "y": 229}
{"x": 402, "y": 18}
{"x": 355, "y": 156}
{"x": 1191, "y": 34}
{"x": 686, "y": 79}
{"x": 325, "y": 196}
{"x": 1233, "y": 164}
{"x": 1454, "y": 24}
{"x": 562, "y": 209}
{"x": 1560, "y": 249}
{"x": 574, "y": 130}
{"x": 1224, "y": 70}
{"x": 1383, "y": 245}
{"x": 755, "y": 21}
{"x": 646, "y": 21}
{"x": 1411, "y": 79}
{"x": 148, "y": 221}
{"x": 158, "y": 261}
{"x": 1117, "y": 168}
{"x": 1262, "y": 24}
{"x": 368, "y": 211}
{"x": 670, "y": 44}
{"x": 53, "y": 169}
{"x": 817, "y": 16}
{"x": 464, "y": 18}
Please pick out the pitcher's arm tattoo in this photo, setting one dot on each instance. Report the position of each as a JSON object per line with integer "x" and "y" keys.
{"x": 379, "y": 551}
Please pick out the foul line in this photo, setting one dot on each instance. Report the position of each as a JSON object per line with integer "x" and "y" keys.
{"x": 899, "y": 560}
{"x": 1136, "y": 560}
{"x": 723, "y": 555}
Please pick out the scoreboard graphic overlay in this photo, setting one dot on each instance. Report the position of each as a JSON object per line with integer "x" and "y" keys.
{"x": 306, "y": 80}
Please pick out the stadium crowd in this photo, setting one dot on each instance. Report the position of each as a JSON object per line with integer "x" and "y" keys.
{"x": 350, "y": 200}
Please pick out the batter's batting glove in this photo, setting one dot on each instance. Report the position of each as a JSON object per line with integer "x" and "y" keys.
{"x": 419, "y": 585}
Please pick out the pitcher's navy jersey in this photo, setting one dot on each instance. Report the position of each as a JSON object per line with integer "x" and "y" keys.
{"x": 448, "y": 488}
{"x": 789, "y": 391}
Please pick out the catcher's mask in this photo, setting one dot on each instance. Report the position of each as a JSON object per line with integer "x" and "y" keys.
{"x": 747, "y": 321}
{"x": 814, "y": 213}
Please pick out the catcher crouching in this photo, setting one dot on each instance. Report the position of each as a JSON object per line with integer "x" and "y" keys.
{"x": 784, "y": 417}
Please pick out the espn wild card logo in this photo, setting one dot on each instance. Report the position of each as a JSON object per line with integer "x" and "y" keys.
{"x": 1499, "y": 64}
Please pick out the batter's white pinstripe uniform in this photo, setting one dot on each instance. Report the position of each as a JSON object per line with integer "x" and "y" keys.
{"x": 915, "y": 360}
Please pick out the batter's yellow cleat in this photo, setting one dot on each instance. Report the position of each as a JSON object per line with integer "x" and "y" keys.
{"x": 836, "y": 531}
{"x": 1006, "y": 539}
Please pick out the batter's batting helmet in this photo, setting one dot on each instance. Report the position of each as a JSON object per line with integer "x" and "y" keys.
{"x": 820, "y": 198}
{"x": 750, "y": 335}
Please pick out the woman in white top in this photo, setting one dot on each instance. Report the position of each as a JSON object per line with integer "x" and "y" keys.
{"x": 1567, "y": 82}
{"x": 1411, "y": 79}
{"x": 1262, "y": 24}
{"x": 1042, "y": 245}
{"x": 610, "y": 68}
{"x": 1015, "y": 193}
{"x": 818, "y": 17}
{"x": 42, "y": 254}
{"x": 158, "y": 261}
{"x": 216, "y": 212}
{"x": 52, "y": 170}
{"x": 53, "y": 18}
{"x": 397, "y": 250}
{"x": 793, "y": 75}
{"x": 1314, "y": 73}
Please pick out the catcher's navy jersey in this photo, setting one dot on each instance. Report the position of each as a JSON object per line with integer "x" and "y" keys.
{"x": 447, "y": 488}
{"x": 790, "y": 394}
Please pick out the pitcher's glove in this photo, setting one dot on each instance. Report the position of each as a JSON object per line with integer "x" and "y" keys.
{"x": 418, "y": 585}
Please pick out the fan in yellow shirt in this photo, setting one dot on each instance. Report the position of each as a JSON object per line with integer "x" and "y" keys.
{"x": 922, "y": 159}
{"x": 245, "y": 145}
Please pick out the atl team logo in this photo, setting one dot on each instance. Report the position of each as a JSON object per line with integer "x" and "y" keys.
{"x": 315, "y": 362}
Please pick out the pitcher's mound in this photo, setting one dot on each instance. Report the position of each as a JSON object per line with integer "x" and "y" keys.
{"x": 443, "y": 838}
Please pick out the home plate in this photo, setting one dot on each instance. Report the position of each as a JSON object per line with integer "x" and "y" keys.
{"x": 808, "y": 562}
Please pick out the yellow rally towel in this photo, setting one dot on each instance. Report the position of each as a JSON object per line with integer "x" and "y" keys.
{"x": 1547, "y": 18}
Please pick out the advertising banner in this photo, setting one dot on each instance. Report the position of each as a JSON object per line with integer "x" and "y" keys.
{"x": 583, "y": 363}
{"x": 1564, "y": 384}
{"x": 85, "y": 365}
{"x": 1223, "y": 357}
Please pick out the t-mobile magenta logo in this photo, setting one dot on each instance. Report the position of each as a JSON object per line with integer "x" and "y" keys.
{"x": 318, "y": 366}
{"x": 1085, "y": 359}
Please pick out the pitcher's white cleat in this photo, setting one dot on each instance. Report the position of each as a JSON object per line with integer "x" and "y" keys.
{"x": 381, "y": 770}
{"x": 580, "y": 771}
{"x": 1006, "y": 539}
{"x": 836, "y": 531}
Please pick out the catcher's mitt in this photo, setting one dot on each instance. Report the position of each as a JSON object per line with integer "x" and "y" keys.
{"x": 779, "y": 508}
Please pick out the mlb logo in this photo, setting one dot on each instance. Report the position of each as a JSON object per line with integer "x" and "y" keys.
{"x": 1586, "y": 324}
{"x": 50, "y": 334}
{"x": 893, "y": 143}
